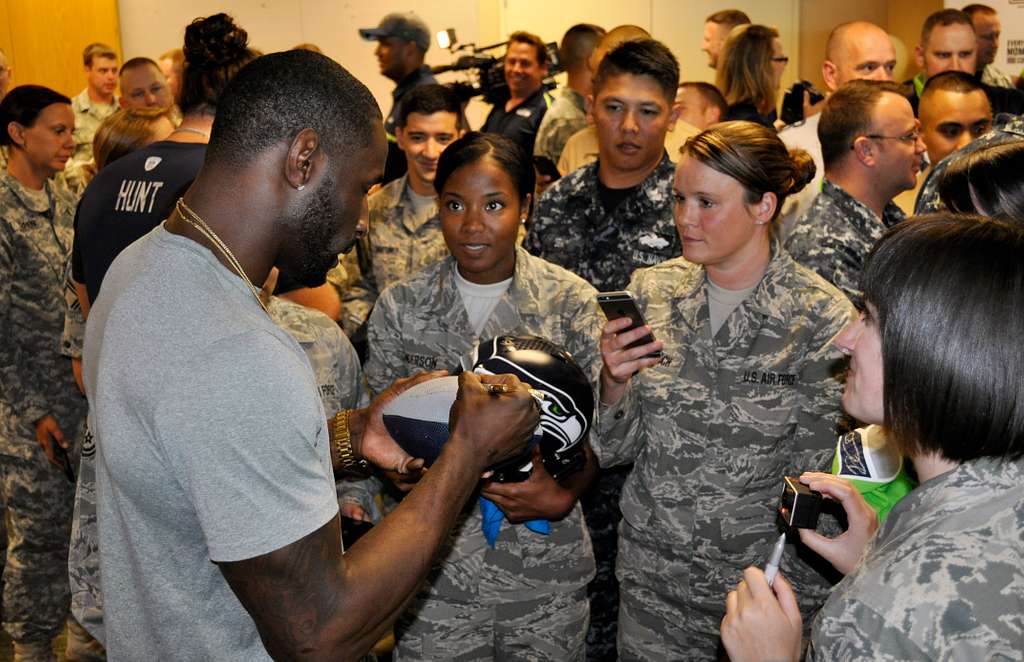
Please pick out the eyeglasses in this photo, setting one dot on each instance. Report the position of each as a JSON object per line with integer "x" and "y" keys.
{"x": 782, "y": 59}
{"x": 909, "y": 138}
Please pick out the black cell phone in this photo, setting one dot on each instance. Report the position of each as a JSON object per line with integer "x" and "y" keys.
{"x": 547, "y": 167}
{"x": 65, "y": 461}
{"x": 622, "y": 304}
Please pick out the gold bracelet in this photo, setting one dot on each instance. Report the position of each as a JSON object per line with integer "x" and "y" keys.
{"x": 343, "y": 443}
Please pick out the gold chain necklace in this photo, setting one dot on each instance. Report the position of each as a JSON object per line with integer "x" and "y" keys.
{"x": 193, "y": 219}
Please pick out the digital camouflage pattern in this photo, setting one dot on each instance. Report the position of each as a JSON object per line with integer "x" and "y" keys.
{"x": 340, "y": 383}
{"x": 396, "y": 246}
{"x": 1005, "y": 129}
{"x": 943, "y": 579}
{"x": 566, "y": 116}
{"x": 571, "y": 228}
{"x": 35, "y": 380}
{"x": 545, "y": 628}
{"x": 421, "y": 324}
{"x": 835, "y": 235}
{"x": 712, "y": 430}
{"x": 88, "y": 117}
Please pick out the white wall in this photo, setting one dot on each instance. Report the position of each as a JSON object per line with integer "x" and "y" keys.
{"x": 150, "y": 27}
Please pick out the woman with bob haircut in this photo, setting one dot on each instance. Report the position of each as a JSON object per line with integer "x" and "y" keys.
{"x": 750, "y": 73}
{"x": 943, "y": 578}
{"x": 40, "y": 405}
{"x": 521, "y": 595}
{"x": 746, "y": 392}
{"x": 986, "y": 182}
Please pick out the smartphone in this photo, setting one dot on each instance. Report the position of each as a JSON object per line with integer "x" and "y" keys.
{"x": 65, "y": 461}
{"x": 622, "y": 304}
{"x": 546, "y": 166}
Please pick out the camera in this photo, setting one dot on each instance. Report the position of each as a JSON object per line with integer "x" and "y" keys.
{"x": 483, "y": 74}
{"x": 800, "y": 506}
{"x": 793, "y": 101}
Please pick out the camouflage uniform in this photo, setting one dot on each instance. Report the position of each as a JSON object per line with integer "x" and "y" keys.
{"x": 943, "y": 579}
{"x": 565, "y": 117}
{"x": 341, "y": 386}
{"x": 35, "y": 237}
{"x": 1005, "y": 129}
{"x": 996, "y": 77}
{"x": 835, "y": 235}
{"x": 88, "y": 117}
{"x": 712, "y": 429}
{"x": 570, "y": 227}
{"x": 394, "y": 248}
{"x": 525, "y": 598}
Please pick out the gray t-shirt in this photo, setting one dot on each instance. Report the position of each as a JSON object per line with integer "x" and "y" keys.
{"x": 212, "y": 446}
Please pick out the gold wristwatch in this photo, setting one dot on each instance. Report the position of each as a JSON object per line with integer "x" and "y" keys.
{"x": 342, "y": 440}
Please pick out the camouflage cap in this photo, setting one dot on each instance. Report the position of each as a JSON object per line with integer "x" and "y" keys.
{"x": 408, "y": 26}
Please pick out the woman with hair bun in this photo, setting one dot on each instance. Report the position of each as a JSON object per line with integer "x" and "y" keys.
{"x": 744, "y": 393}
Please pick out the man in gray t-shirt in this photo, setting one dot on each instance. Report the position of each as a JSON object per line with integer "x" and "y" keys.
{"x": 219, "y": 535}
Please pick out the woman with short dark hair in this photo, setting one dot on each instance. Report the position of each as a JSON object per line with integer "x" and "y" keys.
{"x": 517, "y": 593}
{"x": 40, "y": 406}
{"x": 936, "y": 357}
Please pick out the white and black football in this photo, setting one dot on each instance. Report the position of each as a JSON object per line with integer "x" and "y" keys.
{"x": 418, "y": 418}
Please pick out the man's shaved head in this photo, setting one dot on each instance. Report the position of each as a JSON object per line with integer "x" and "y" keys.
{"x": 855, "y": 51}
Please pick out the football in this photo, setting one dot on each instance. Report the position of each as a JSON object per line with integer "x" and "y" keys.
{"x": 418, "y": 418}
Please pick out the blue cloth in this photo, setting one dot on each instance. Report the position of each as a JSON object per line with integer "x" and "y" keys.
{"x": 493, "y": 517}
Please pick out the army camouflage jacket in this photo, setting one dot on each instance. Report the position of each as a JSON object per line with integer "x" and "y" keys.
{"x": 565, "y": 117}
{"x": 716, "y": 425}
{"x": 834, "y": 236}
{"x": 421, "y": 324}
{"x": 393, "y": 248}
{"x": 943, "y": 579}
{"x": 1005, "y": 129}
{"x": 88, "y": 117}
{"x": 571, "y": 229}
{"x": 35, "y": 238}
{"x": 339, "y": 378}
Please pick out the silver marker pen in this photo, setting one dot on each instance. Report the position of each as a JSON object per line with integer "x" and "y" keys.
{"x": 772, "y": 568}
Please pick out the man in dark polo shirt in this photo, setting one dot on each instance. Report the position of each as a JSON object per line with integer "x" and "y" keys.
{"x": 402, "y": 43}
{"x": 526, "y": 65}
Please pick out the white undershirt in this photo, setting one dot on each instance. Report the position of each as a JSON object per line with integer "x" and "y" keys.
{"x": 721, "y": 303}
{"x": 480, "y": 300}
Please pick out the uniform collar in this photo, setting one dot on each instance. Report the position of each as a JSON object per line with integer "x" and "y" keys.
{"x": 764, "y": 300}
{"x": 516, "y": 303}
{"x": 891, "y": 214}
{"x": 29, "y": 199}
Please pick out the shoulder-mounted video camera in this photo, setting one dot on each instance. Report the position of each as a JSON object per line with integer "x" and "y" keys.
{"x": 482, "y": 74}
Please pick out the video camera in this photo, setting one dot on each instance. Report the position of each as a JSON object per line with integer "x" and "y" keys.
{"x": 484, "y": 73}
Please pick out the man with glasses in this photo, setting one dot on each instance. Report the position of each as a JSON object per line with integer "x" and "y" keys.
{"x": 872, "y": 148}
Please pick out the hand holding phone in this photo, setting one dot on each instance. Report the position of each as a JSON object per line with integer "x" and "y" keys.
{"x": 617, "y": 305}
{"x": 627, "y": 344}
